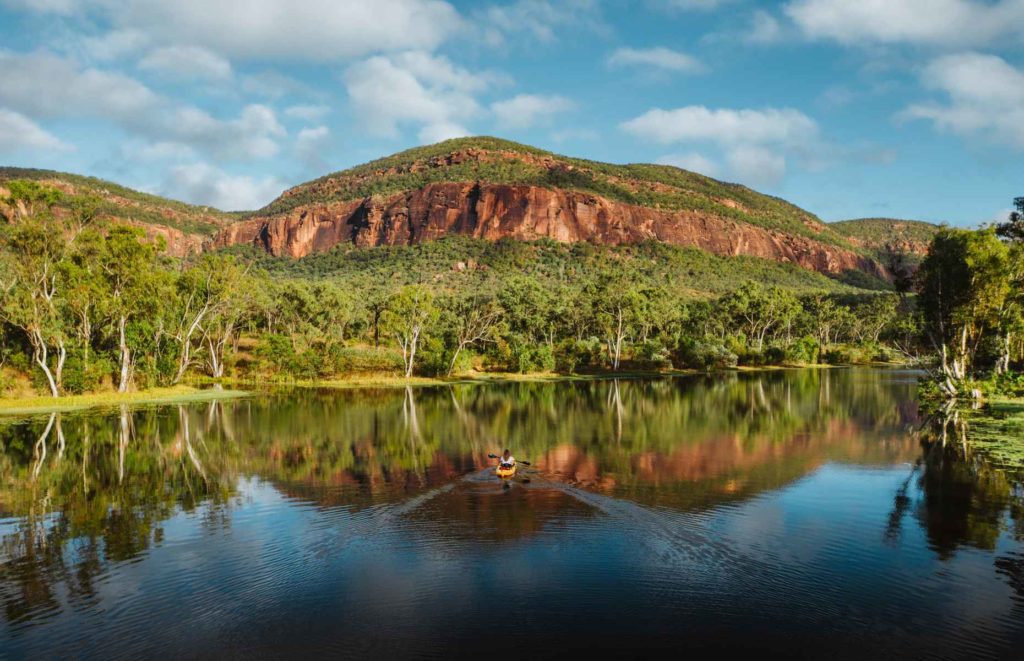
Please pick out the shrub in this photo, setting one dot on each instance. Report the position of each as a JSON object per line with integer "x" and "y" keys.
{"x": 575, "y": 354}
{"x": 653, "y": 353}
{"x": 695, "y": 354}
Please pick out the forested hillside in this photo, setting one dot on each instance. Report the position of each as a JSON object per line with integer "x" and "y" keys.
{"x": 184, "y": 227}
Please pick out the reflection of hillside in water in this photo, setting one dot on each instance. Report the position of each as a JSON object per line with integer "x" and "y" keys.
{"x": 109, "y": 481}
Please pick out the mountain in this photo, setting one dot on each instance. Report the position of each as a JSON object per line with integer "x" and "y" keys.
{"x": 186, "y": 228}
{"x": 492, "y": 189}
{"x": 880, "y": 236}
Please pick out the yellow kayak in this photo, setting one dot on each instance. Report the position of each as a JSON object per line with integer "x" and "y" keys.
{"x": 505, "y": 472}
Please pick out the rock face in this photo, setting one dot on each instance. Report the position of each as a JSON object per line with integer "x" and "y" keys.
{"x": 495, "y": 211}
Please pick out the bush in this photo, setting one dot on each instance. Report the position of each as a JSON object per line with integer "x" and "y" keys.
{"x": 774, "y": 356}
{"x": 575, "y": 354}
{"x": 653, "y": 353}
{"x": 81, "y": 378}
{"x": 532, "y": 358}
{"x": 805, "y": 351}
{"x": 839, "y": 356}
{"x": 695, "y": 354}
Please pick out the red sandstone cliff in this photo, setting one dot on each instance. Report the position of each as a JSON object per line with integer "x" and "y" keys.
{"x": 494, "y": 211}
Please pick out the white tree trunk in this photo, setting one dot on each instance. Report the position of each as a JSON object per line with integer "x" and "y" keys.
{"x": 41, "y": 356}
{"x": 126, "y": 355}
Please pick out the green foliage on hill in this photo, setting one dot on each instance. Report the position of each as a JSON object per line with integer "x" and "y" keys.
{"x": 658, "y": 186}
{"x": 880, "y": 231}
{"x": 122, "y": 203}
{"x": 458, "y": 262}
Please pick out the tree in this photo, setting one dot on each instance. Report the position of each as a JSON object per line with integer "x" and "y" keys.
{"x": 475, "y": 319}
{"x": 130, "y": 277}
{"x": 210, "y": 296}
{"x": 963, "y": 290}
{"x": 410, "y": 312}
{"x": 620, "y": 306}
{"x": 37, "y": 245}
{"x": 1013, "y": 228}
{"x": 757, "y": 310}
{"x": 28, "y": 198}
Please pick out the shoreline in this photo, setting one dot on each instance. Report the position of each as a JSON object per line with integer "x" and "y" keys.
{"x": 171, "y": 395}
{"x": 207, "y": 389}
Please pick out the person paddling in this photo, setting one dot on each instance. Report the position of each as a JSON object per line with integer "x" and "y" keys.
{"x": 507, "y": 460}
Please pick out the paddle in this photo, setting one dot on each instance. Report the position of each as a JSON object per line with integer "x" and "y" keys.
{"x": 518, "y": 461}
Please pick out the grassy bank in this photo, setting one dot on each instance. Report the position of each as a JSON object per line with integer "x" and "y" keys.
{"x": 175, "y": 395}
{"x": 394, "y": 381}
{"x": 998, "y": 431}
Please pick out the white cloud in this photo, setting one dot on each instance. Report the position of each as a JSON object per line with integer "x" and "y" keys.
{"x": 756, "y": 165}
{"x": 201, "y": 183}
{"x": 20, "y": 132}
{"x": 526, "y": 110}
{"x": 313, "y": 30}
{"x": 186, "y": 63}
{"x": 764, "y": 29}
{"x": 939, "y": 22}
{"x": 986, "y": 98}
{"x": 46, "y": 85}
{"x": 440, "y": 132}
{"x": 41, "y": 85}
{"x": 252, "y": 135}
{"x": 417, "y": 89}
{"x": 693, "y": 161}
{"x": 770, "y": 125}
{"x": 309, "y": 145}
{"x": 659, "y": 58}
{"x": 539, "y": 19}
{"x": 755, "y": 143}
{"x": 309, "y": 113}
{"x": 141, "y": 151}
{"x": 115, "y": 44}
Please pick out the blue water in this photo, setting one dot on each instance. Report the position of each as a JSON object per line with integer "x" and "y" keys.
{"x": 840, "y": 535}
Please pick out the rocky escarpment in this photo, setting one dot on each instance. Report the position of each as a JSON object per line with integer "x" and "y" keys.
{"x": 495, "y": 211}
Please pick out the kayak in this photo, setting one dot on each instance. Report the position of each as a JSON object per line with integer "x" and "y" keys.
{"x": 505, "y": 472}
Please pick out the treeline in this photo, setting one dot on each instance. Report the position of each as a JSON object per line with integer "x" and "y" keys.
{"x": 89, "y": 307}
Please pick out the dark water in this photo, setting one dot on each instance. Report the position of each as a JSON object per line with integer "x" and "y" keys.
{"x": 793, "y": 513}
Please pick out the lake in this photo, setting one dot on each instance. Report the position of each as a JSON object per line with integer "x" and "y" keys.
{"x": 794, "y": 512}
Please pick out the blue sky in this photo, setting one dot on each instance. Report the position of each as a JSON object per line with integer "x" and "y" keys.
{"x": 909, "y": 108}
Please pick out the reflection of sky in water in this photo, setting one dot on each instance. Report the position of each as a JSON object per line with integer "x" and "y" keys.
{"x": 781, "y": 535}
{"x": 287, "y": 575}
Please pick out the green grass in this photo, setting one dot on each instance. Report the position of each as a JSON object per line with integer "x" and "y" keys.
{"x": 177, "y": 394}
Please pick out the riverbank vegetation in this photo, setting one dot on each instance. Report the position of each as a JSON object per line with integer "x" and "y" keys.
{"x": 972, "y": 317}
{"x": 89, "y": 307}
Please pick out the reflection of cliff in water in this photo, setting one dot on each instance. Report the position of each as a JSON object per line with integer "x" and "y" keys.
{"x": 110, "y": 480}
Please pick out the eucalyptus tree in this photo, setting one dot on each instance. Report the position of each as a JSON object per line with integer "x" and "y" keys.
{"x": 131, "y": 280}
{"x": 619, "y": 310}
{"x": 758, "y": 311}
{"x": 410, "y": 313}
{"x": 474, "y": 320}
{"x": 964, "y": 286}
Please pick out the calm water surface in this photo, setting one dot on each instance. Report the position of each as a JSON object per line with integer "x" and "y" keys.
{"x": 794, "y": 512}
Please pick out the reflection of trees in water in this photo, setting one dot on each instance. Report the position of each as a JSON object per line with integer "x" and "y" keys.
{"x": 961, "y": 500}
{"x": 110, "y": 481}
{"x": 106, "y": 483}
